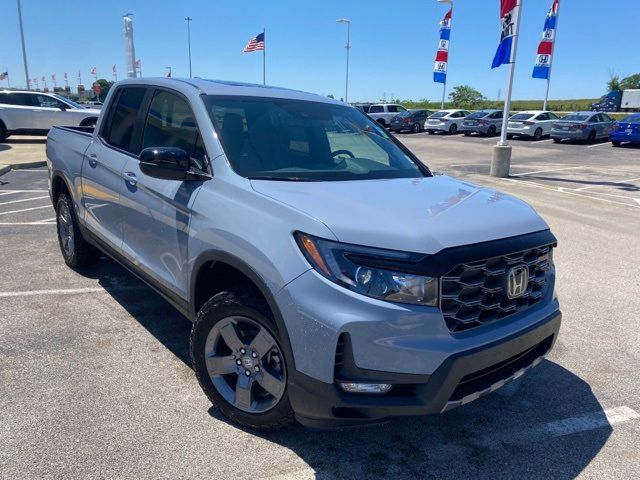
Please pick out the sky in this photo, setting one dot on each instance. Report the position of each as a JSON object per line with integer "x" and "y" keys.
{"x": 393, "y": 44}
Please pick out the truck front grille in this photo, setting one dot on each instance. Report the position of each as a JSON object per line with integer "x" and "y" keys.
{"x": 475, "y": 293}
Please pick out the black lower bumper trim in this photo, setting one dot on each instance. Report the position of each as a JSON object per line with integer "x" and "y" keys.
{"x": 321, "y": 405}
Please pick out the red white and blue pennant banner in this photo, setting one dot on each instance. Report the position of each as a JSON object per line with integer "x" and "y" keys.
{"x": 442, "y": 57}
{"x": 545, "y": 49}
{"x": 509, "y": 12}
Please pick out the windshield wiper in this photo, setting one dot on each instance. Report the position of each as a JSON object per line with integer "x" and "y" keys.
{"x": 285, "y": 179}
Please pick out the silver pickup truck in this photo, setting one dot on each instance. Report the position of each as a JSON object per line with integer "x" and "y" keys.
{"x": 330, "y": 276}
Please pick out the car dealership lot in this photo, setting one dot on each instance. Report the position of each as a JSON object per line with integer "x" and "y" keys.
{"x": 96, "y": 381}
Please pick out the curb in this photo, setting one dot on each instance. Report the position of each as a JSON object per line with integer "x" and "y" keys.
{"x": 18, "y": 166}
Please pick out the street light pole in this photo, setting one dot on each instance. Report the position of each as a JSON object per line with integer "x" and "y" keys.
{"x": 24, "y": 49}
{"x": 348, "y": 47}
{"x": 188, "y": 19}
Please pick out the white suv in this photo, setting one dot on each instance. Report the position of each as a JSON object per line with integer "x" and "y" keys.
{"x": 35, "y": 113}
{"x": 383, "y": 112}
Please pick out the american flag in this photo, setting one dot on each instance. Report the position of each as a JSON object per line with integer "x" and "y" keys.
{"x": 255, "y": 44}
{"x": 93, "y": 71}
{"x": 4, "y": 75}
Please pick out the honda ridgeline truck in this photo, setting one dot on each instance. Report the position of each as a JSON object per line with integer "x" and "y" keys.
{"x": 331, "y": 277}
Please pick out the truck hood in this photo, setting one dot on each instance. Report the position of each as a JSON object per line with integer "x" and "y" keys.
{"x": 422, "y": 215}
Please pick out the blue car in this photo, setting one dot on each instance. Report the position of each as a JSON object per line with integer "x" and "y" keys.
{"x": 627, "y": 130}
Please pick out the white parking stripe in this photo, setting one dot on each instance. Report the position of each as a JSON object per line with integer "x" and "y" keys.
{"x": 9, "y": 192}
{"x": 25, "y": 210}
{"x": 547, "y": 170}
{"x": 599, "y": 145}
{"x": 69, "y": 291}
{"x": 23, "y": 200}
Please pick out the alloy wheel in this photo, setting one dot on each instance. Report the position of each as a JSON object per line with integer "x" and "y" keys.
{"x": 65, "y": 229}
{"x": 245, "y": 364}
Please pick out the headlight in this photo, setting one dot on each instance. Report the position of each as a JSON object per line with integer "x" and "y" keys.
{"x": 369, "y": 271}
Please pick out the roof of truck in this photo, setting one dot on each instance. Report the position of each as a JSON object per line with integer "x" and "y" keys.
{"x": 225, "y": 87}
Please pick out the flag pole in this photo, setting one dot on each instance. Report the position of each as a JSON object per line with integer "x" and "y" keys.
{"x": 264, "y": 57}
{"x": 553, "y": 48}
{"x": 512, "y": 67}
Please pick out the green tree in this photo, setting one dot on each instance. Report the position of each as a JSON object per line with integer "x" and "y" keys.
{"x": 464, "y": 96}
{"x": 613, "y": 83}
{"x": 105, "y": 85}
{"x": 631, "y": 82}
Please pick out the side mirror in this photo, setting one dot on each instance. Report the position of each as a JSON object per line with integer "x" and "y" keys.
{"x": 167, "y": 163}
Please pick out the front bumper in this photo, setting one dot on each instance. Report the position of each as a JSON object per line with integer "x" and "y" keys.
{"x": 460, "y": 379}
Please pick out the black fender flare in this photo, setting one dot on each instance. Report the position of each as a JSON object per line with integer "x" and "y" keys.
{"x": 256, "y": 279}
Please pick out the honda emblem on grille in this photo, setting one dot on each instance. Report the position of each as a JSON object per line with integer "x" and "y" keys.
{"x": 517, "y": 281}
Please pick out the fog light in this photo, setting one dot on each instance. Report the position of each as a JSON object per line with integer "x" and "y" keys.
{"x": 352, "y": 387}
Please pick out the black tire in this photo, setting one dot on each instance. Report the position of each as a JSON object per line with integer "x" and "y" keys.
{"x": 592, "y": 136}
{"x": 237, "y": 303}
{"x": 453, "y": 129}
{"x": 557, "y": 140}
{"x": 430, "y": 132}
{"x": 416, "y": 128}
{"x": 76, "y": 251}
{"x": 467, "y": 134}
{"x": 538, "y": 134}
{"x": 89, "y": 122}
{"x": 616, "y": 143}
{"x": 3, "y": 132}
{"x": 510, "y": 136}
{"x": 382, "y": 122}
{"x": 492, "y": 131}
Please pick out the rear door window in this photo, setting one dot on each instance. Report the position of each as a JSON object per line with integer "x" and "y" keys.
{"x": 376, "y": 109}
{"x": 119, "y": 132}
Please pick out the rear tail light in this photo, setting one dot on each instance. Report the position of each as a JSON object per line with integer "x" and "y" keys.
{"x": 533, "y": 123}
{"x": 555, "y": 125}
{"x": 407, "y": 120}
{"x": 483, "y": 122}
{"x": 581, "y": 126}
{"x": 444, "y": 119}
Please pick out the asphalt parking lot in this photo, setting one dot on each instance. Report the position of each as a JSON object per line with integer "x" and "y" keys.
{"x": 96, "y": 382}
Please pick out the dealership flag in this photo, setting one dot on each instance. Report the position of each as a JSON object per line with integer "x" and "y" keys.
{"x": 509, "y": 12}
{"x": 93, "y": 71}
{"x": 442, "y": 57}
{"x": 542, "y": 68}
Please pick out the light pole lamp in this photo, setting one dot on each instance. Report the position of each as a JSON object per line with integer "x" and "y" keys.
{"x": 188, "y": 19}
{"x": 348, "y": 47}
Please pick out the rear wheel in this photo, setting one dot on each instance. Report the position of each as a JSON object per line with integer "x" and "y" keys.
{"x": 492, "y": 130}
{"x": 592, "y": 136}
{"x": 538, "y": 134}
{"x": 453, "y": 129}
{"x": 467, "y": 134}
{"x": 417, "y": 128}
{"x": 76, "y": 251}
{"x": 239, "y": 362}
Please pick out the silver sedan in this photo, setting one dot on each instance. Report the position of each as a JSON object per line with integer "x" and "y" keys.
{"x": 533, "y": 124}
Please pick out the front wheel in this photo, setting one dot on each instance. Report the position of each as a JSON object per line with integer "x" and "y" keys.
{"x": 538, "y": 134}
{"x": 239, "y": 362}
{"x": 76, "y": 251}
{"x": 453, "y": 129}
{"x": 616, "y": 143}
{"x": 557, "y": 140}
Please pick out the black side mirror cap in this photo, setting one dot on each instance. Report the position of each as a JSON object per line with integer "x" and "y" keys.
{"x": 168, "y": 163}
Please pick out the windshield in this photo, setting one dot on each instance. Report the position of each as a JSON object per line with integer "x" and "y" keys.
{"x": 574, "y": 117}
{"x": 66, "y": 100}
{"x": 478, "y": 114}
{"x": 283, "y": 139}
{"x": 635, "y": 118}
{"x": 439, "y": 114}
{"x": 521, "y": 116}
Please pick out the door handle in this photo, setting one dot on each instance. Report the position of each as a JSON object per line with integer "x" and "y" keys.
{"x": 131, "y": 178}
{"x": 93, "y": 160}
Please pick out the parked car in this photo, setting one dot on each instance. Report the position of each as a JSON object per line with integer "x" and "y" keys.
{"x": 91, "y": 104}
{"x": 448, "y": 121}
{"x": 330, "y": 276}
{"x": 34, "y": 113}
{"x": 587, "y": 126}
{"x": 483, "y": 122}
{"x": 363, "y": 107}
{"x": 384, "y": 112}
{"x": 412, "y": 120}
{"x": 626, "y": 130}
{"x": 533, "y": 124}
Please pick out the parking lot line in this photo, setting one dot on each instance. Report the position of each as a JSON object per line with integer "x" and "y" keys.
{"x": 547, "y": 170}
{"x": 620, "y": 181}
{"x": 25, "y": 210}
{"x": 573, "y": 192}
{"x": 23, "y": 200}
{"x": 599, "y": 145}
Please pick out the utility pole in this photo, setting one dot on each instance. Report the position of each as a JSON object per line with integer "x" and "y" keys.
{"x": 24, "y": 49}
{"x": 188, "y": 19}
{"x": 348, "y": 47}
